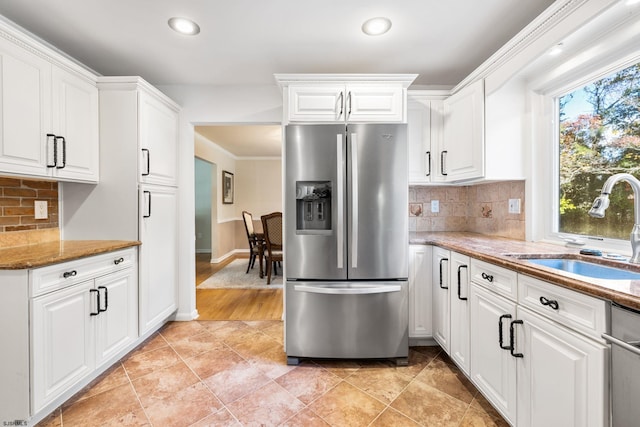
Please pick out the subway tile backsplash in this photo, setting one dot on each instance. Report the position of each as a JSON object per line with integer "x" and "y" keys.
{"x": 481, "y": 208}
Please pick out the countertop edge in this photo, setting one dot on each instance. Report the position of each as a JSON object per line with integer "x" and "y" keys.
{"x": 49, "y": 253}
{"x": 456, "y": 242}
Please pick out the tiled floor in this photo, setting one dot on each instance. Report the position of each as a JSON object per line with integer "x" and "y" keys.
{"x": 234, "y": 373}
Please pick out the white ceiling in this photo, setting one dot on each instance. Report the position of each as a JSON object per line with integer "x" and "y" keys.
{"x": 244, "y": 42}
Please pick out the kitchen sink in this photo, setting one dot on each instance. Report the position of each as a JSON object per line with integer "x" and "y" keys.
{"x": 584, "y": 268}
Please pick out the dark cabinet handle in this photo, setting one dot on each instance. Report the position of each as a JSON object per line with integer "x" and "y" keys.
{"x": 487, "y": 277}
{"x": 97, "y": 302}
{"x": 428, "y": 154}
{"x": 549, "y": 302}
{"x": 68, "y": 274}
{"x": 118, "y": 261}
{"x": 349, "y": 102}
{"x": 148, "y": 161}
{"x": 500, "y": 339}
{"x": 512, "y": 337}
{"x": 442, "y": 164}
{"x": 106, "y": 299}
{"x": 55, "y": 150}
{"x": 341, "y": 102}
{"x": 64, "y": 152}
{"x": 460, "y": 297}
{"x": 441, "y": 260}
{"x": 148, "y": 214}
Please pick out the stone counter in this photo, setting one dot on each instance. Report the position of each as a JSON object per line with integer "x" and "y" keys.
{"x": 47, "y": 253}
{"x": 505, "y": 253}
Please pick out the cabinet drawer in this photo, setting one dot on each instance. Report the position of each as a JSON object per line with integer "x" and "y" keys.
{"x": 58, "y": 276}
{"x": 497, "y": 279}
{"x": 583, "y": 313}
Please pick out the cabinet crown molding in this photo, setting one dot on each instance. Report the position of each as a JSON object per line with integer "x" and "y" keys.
{"x": 285, "y": 80}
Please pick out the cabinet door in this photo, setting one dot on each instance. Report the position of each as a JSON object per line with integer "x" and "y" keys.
{"x": 158, "y": 255}
{"x": 419, "y": 140}
{"x": 441, "y": 288}
{"x": 158, "y": 141}
{"x": 62, "y": 342}
{"x": 382, "y": 103}
{"x": 493, "y": 369}
{"x": 117, "y": 324}
{"x": 459, "y": 305}
{"x": 463, "y": 155}
{"x": 25, "y": 109}
{"x": 75, "y": 118}
{"x": 323, "y": 103}
{"x": 562, "y": 378}
{"x": 420, "y": 318}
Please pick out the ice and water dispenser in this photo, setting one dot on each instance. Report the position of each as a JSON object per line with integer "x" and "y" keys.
{"x": 313, "y": 207}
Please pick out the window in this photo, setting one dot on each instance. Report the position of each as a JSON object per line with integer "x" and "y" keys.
{"x": 599, "y": 135}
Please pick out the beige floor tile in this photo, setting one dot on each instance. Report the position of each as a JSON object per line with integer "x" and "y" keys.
{"x": 184, "y": 407}
{"x": 154, "y": 342}
{"x": 481, "y": 404}
{"x": 273, "y": 362}
{"x": 212, "y": 362}
{"x": 196, "y": 344}
{"x": 384, "y": 382}
{"x": 111, "y": 378}
{"x": 340, "y": 368}
{"x": 263, "y": 324}
{"x": 102, "y": 408}
{"x": 345, "y": 405}
{"x": 429, "y": 406}
{"x": 448, "y": 379}
{"x": 175, "y": 331}
{"x": 308, "y": 382}
{"x": 476, "y": 418}
{"x": 54, "y": 419}
{"x": 306, "y": 418}
{"x": 226, "y": 329}
{"x": 270, "y": 405}
{"x": 392, "y": 418}
{"x": 131, "y": 419}
{"x": 142, "y": 364}
{"x": 249, "y": 342}
{"x": 163, "y": 383}
{"x": 222, "y": 418}
{"x": 236, "y": 381}
{"x": 275, "y": 331}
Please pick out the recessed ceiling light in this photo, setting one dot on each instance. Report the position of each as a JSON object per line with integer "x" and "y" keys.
{"x": 376, "y": 26}
{"x": 184, "y": 26}
{"x": 556, "y": 50}
{"x": 630, "y": 2}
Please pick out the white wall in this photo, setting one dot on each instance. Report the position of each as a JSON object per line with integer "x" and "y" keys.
{"x": 203, "y": 105}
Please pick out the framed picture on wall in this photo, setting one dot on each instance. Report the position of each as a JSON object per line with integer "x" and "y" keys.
{"x": 227, "y": 187}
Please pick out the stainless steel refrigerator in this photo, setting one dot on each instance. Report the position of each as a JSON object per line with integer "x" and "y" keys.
{"x": 346, "y": 241}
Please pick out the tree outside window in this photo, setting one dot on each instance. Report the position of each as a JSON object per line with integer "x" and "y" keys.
{"x": 599, "y": 137}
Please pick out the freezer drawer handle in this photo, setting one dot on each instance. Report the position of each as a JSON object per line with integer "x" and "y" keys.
{"x": 355, "y": 290}
{"x": 630, "y": 346}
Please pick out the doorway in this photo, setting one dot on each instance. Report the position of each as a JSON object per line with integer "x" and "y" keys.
{"x": 251, "y": 154}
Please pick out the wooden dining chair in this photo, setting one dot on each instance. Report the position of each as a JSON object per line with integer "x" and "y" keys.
{"x": 272, "y": 227}
{"x": 256, "y": 241}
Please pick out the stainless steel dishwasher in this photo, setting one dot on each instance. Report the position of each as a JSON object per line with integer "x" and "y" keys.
{"x": 625, "y": 365}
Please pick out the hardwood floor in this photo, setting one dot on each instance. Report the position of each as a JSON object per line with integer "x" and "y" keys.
{"x": 233, "y": 304}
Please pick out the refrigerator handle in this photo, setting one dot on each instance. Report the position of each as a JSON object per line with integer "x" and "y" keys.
{"x": 354, "y": 201}
{"x": 340, "y": 196}
{"x": 352, "y": 290}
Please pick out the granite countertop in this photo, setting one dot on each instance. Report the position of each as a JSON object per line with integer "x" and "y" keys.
{"x": 505, "y": 252}
{"x": 41, "y": 254}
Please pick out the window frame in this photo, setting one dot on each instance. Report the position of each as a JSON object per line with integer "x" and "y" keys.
{"x": 546, "y": 188}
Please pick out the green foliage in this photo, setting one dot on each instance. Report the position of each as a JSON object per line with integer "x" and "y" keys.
{"x": 596, "y": 145}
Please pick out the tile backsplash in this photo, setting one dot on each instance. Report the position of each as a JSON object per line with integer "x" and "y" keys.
{"x": 17, "y": 197}
{"x": 481, "y": 208}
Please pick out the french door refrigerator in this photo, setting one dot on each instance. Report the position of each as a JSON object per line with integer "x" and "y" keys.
{"x": 346, "y": 241}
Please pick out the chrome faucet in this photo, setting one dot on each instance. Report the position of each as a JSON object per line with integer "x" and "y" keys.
{"x": 601, "y": 203}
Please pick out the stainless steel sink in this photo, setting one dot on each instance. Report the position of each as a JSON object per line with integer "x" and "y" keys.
{"x": 584, "y": 268}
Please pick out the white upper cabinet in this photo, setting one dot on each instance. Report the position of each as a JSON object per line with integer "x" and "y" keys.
{"x": 424, "y": 136}
{"x": 462, "y": 157}
{"x": 330, "y": 98}
{"x": 158, "y": 140}
{"x": 49, "y": 115}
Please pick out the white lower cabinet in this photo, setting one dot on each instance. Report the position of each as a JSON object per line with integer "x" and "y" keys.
{"x": 77, "y": 329}
{"x": 440, "y": 281}
{"x": 534, "y": 370}
{"x": 420, "y": 319}
{"x": 459, "y": 306}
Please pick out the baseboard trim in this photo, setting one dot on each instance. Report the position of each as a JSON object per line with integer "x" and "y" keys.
{"x": 228, "y": 255}
{"x": 186, "y": 317}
